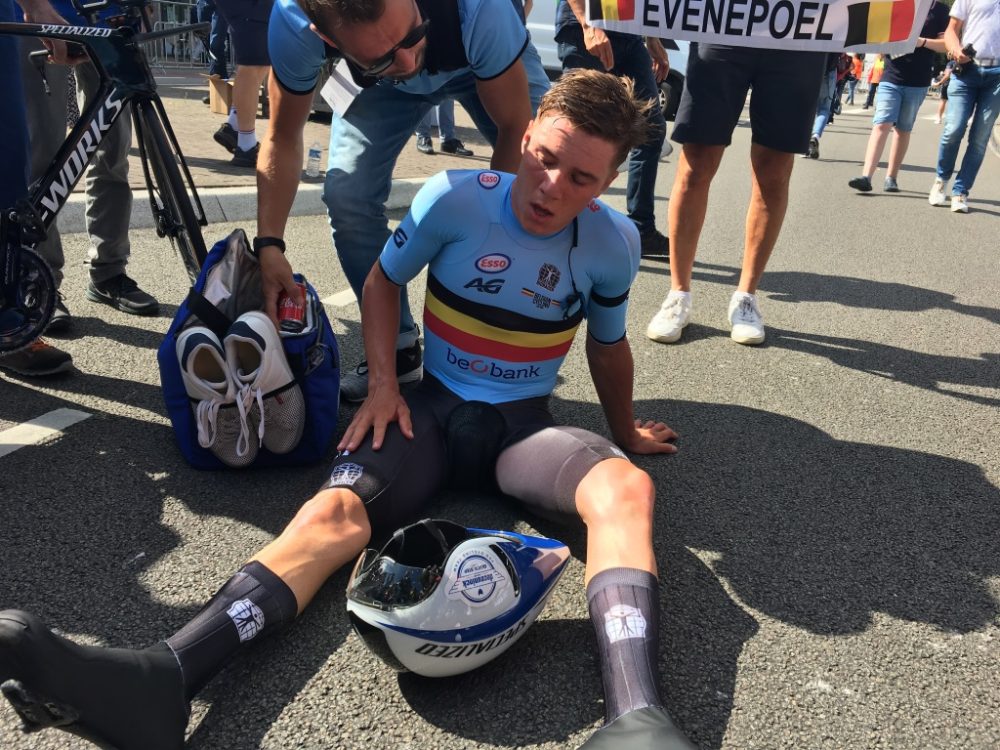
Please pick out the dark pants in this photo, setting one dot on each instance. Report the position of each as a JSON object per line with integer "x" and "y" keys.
{"x": 632, "y": 60}
{"x": 872, "y": 88}
{"x": 217, "y": 37}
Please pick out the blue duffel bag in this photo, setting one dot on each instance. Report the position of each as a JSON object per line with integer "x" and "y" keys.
{"x": 227, "y": 287}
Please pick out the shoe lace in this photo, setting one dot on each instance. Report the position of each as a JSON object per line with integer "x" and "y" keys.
{"x": 244, "y": 403}
{"x": 206, "y": 417}
{"x": 747, "y": 311}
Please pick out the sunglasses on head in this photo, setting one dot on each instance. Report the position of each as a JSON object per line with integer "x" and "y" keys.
{"x": 385, "y": 62}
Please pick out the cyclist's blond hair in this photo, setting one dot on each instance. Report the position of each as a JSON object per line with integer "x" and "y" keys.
{"x": 602, "y": 105}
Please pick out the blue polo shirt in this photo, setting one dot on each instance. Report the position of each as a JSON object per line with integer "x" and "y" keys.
{"x": 493, "y": 38}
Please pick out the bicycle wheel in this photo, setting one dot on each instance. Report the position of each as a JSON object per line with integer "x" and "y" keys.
{"x": 23, "y": 318}
{"x": 173, "y": 212}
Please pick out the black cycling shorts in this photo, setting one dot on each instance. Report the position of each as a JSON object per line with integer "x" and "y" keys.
{"x": 247, "y": 21}
{"x": 539, "y": 463}
{"x": 782, "y": 106}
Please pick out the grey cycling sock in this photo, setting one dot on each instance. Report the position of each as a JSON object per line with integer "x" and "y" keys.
{"x": 624, "y": 608}
{"x": 253, "y": 603}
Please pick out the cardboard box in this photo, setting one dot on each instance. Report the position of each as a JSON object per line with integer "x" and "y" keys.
{"x": 220, "y": 95}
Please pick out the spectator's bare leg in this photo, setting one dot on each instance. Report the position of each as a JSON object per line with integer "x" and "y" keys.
{"x": 897, "y": 150}
{"x": 770, "y": 171}
{"x": 876, "y": 145}
{"x": 246, "y": 93}
{"x": 688, "y": 202}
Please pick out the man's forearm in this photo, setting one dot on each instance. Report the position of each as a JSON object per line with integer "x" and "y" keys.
{"x": 277, "y": 182}
{"x": 612, "y": 371}
{"x": 379, "y": 326}
{"x": 507, "y": 152}
{"x": 579, "y": 8}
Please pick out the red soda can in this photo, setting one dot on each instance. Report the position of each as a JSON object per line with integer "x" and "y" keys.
{"x": 292, "y": 314}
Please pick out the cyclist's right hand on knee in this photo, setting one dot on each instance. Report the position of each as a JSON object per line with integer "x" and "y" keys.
{"x": 276, "y": 276}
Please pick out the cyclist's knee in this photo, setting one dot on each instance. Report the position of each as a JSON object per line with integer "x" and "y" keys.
{"x": 616, "y": 491}
{"x": 336, "y": 514}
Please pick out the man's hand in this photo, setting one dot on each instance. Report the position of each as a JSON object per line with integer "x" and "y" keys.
{"x": 650, "y": 437}
{"x": 275, "y": 276}
{"x": 598, "y": 44}
{"x": 383, "y": 406}
{"x": 958, "y": 55}
{"x": 661, "y": 63}
{"x": 39, "y": 11}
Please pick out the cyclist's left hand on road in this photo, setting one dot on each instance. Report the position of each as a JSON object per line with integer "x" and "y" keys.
{"x": 651, "y": 437}
{"x": 382, "y": 407}
{"x": 275, "y": 276}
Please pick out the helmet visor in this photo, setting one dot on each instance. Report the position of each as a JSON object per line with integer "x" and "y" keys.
{"x": 380, "y": 581}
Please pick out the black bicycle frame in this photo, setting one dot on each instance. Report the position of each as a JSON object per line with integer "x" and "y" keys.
{"x": 125, "y": 77}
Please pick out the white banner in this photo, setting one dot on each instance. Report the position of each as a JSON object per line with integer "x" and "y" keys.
{"x": 890, "y": 26}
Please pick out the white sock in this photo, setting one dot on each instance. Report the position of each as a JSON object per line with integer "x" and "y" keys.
{"x": 676, "y": 293}
{"x": 738, "y": 295}
{"x": 246, "y": 141}
{"x": 232, "y": 118}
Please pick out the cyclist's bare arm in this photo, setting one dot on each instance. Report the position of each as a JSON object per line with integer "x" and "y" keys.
{"x": 279, "y": 168}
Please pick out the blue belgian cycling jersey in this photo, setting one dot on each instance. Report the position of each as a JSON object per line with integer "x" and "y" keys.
{"x": 492, "y": 34}
{"x": 501, "y": 310}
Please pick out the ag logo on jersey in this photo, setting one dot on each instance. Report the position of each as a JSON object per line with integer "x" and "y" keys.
{"x": 489, "y": 180}
{"x": 490, "y": 286}
{"x": 493, "y": 263}
{"x": 399, "y": 237}
{"x": 476, "y": 577}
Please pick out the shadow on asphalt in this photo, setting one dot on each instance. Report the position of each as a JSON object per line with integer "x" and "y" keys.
{"x": 818, "y": 533}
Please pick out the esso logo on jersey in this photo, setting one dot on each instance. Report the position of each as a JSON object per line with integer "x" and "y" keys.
{"x": 489, "y": 180}
{"x": 493, "y": 263}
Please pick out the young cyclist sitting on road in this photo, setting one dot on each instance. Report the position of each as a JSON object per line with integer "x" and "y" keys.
{"x": 514, "y": 265}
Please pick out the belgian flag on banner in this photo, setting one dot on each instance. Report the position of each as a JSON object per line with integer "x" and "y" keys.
{"x": 612, "y": 10}
{"x": 876, "y": 23}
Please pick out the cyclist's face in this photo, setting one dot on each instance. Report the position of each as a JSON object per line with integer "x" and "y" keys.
{"x": 562, "y": 169}
{"x": 368, "y": 44}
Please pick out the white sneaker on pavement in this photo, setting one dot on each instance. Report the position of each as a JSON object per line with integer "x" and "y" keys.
{"x": 671, "y": 318}
{"x": 745, "y": 317}
{"x": 960, "y": 204}
{"x": 268, "y": 392}
{"x": 206, "y": 379}
{"x": 937, "y": 196}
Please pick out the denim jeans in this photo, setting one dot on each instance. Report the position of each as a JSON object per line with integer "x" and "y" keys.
{"x": 851, "y": 85}
{"x": 217, "y": 36}
{"x": 824, "y": 105}
{"x": 364, "y": 146}
{"x": 445, "y": 121}
{"x": 632, "y": 60}
{"x": 975, "y": 94}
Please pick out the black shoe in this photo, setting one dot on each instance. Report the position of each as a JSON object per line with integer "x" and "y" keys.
{"x": 122, "y": 293}
{"x": 206, "y": 100}
{"x": 409, "y": 369}
{"x": 648, "y": 728}
{"x": 655, "y": 244}
{"x": 39, "y": 358}
{"x": 226, "y": 137}
{"x": 861, "y": 184}
{"x": 61, "y": 320}
{"x": 246, "y": 158}
{"x": 112, "y": 697}
{"x": 455, "y": 146}
{"x": 424, "y": 144}
{"x": 813, "y": 151}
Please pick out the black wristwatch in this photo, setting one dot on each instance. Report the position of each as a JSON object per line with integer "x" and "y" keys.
{"x": 261, "y": 242}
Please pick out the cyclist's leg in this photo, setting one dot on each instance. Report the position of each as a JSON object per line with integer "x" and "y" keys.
{"x": 572, "y": 471}
{"x": 109, "y": 197}
{"x": 46, "y": 114}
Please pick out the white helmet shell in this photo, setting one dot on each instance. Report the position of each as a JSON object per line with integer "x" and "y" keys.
{"x": 440, "y": 599}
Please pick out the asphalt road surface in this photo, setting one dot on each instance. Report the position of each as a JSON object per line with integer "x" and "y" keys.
{"x": 828, "y": 535}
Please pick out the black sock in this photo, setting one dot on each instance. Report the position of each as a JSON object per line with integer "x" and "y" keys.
{"x": 252, "y": 603}
{"x": 624, "y": 609}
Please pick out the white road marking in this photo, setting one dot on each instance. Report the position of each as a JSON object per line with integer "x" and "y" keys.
{"x": 39, "y": 430}
{"x": 340, "y": 299}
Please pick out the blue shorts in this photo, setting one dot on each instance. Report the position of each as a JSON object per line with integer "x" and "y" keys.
{"x": 898, "y": 105}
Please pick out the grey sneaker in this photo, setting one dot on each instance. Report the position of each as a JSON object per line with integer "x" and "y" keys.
{"x": 409, "y": 369}
{"x": 38, "y": 358}
{"x": 122, "y": 293}
{"x": 891, "y": 186}
{"x": 862, "y": 184}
